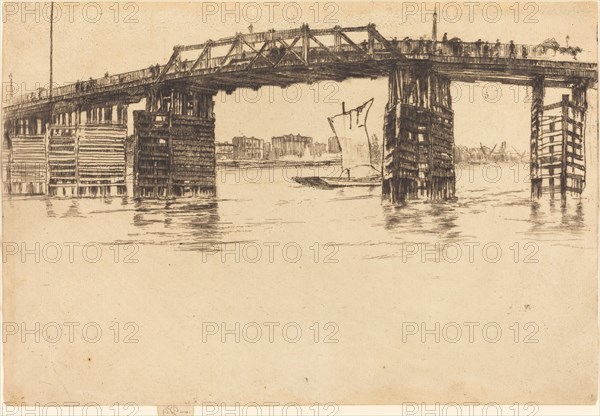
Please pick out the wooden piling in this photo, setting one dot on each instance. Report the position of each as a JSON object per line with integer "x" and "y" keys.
{"x": 174, "y": 147}
{"x": 419, "y": 136}
{"x": 537, "y": 113}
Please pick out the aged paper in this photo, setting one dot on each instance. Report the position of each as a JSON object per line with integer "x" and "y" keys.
{"x": 320, "y": 203}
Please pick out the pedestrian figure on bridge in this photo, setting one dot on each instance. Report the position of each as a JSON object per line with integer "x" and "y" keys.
{"x": 497, "y": 48}
{"x": 445, "y": 38}
{"x": 512, "y": 52}
{"x": 364, "y": 45}
{"x": 152, "y": 72}
{"x": 524, "y": 52}
{"x": 478, "y": 44}
{"x": 486, "y": 49}
{"x": 77, "y": 86}
{"x": 457, "y": 47}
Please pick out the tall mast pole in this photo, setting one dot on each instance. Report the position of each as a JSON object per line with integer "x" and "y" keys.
{"x": 10, "y": 90}
{"x": 434, "y": 31}
{"x": 51, "y": 51}
{"x": 49, "y": 126}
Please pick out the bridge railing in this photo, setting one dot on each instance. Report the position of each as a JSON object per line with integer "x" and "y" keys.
{"x": 83, "y": 86}
{"x": 472, "y": 49}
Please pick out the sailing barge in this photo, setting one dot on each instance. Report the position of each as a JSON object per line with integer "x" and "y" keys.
{"x": 350, "y": 129}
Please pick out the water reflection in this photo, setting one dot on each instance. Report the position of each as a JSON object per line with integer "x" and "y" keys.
{"x": 190, "y": 224}
{"x": 279, "y": 210}
{"x": 73, "y": 210}
{"x": 436, "y": 219}
{"x": 49, "y": 208}
{"x": 548, "y": 217}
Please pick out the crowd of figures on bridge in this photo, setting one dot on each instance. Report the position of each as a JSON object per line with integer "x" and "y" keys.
{"x": 480, "y": 48}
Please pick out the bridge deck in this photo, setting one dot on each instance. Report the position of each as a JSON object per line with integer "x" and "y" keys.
{"x": 306, "y": 55}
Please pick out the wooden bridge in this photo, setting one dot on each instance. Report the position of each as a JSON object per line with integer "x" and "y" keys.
{"x": 174, "y": 137}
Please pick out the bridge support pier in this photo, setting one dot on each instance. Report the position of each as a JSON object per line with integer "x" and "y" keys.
{"x": 24, "y": 155}
{"x": 86, "y": 151}
{"x": 537, "y": 113}
{"x": 557, "y": 142}
{"x": 175, "y": 144}
{"x": 418, "y": 136}
{"x": 576, "y": 123}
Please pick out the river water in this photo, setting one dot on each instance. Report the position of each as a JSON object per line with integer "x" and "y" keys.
{"x": 267, "y": 249}
{"x": 257, "y": 203}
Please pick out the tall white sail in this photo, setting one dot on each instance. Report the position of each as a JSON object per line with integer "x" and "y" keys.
{"x": 350, "y": 128}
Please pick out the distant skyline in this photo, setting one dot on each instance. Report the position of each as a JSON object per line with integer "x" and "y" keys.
{"x": 145, "y": 34}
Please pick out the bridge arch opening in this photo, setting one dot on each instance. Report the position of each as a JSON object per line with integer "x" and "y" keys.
{"x": 292, "y": 125}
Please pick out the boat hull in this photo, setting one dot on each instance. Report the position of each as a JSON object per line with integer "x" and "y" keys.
{"x": 337, "y": 182}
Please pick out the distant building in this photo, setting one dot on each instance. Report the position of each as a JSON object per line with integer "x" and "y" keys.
{"x": 317, "y": 149}
{"x": 333, "y": 145}
{"x": 245, "y": 148}
{"x": 485, "y": 154}
{"x": 290, "y": 145}
{"x": 267, "y": 150}
{"x": 224, "y": 150}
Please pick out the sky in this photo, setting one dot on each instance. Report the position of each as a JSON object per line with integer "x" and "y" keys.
{"x": 93, "y": 38}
